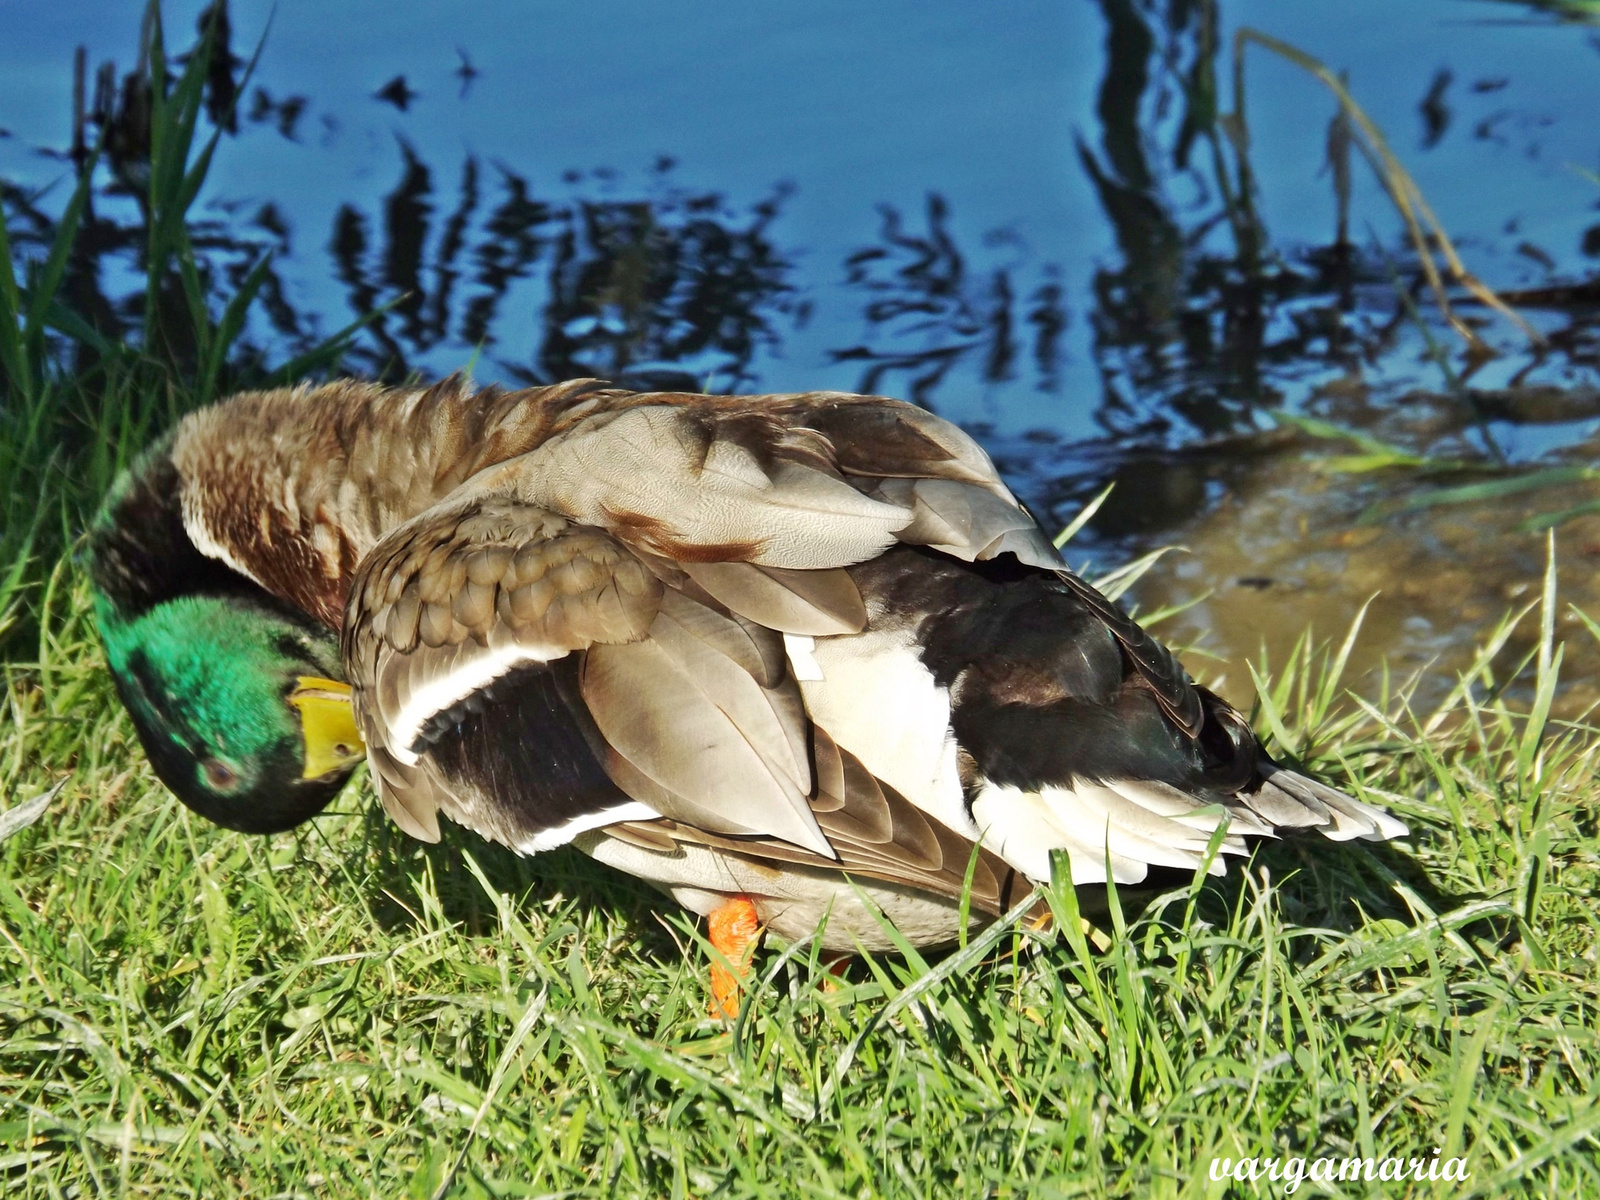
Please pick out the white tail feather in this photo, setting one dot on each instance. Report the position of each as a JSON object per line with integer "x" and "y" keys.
{"x": 1141, "y": 823}
{"x": 1350, "y": 818}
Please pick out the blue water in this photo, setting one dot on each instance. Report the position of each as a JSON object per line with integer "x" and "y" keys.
{"x": 856, "y": 106}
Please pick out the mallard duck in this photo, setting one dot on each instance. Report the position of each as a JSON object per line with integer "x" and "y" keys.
{"x": 785, "y": 657}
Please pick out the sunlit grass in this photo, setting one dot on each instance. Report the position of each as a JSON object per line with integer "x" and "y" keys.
{"x": 186, "y": 1011}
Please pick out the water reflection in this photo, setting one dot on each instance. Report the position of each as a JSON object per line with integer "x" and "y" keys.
{"x": 1200, "y": 323}
{"x": 656, "y": 285}
{"x": 671, "y": 287}
{"x": 283, "y": 114}
{"x": 930, "y": 312}
{"x": 1202, "y": 316}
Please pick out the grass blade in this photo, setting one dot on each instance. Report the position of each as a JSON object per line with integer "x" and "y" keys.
{"x": 12, "y": 356}
{"x": 1085, "y": 515}
{"x": 1493, "y": 489}
{"x": 1546, "y": 521}
{"x": 55, "y": 266}
{"x": 1114, "y": 583}
{"x": 12, "y": 820}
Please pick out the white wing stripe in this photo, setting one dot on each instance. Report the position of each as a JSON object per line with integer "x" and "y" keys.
{"x": 803, "y": 658}
{"x": 560, "y": 835}
{"x": 452, "y": 686}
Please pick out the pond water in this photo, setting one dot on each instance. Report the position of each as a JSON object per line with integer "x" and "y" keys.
{"x": 1031, "y": 218}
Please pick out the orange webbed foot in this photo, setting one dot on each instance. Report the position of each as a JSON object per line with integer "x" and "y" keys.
{"x": 734, "y": 929}
{"x": 833, "y": 970}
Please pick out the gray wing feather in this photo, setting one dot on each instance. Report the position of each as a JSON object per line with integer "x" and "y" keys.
{"x": 704, "y": 733}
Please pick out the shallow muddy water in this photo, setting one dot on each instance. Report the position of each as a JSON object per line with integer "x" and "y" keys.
{"x": 1284, "y": 548}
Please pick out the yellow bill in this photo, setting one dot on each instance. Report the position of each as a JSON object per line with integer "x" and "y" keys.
{"x": 328, "y": 725}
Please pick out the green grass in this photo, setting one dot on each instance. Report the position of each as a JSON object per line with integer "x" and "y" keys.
{"x": 186, "y": 1011}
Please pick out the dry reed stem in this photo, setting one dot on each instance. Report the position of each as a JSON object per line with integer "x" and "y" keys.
{"x": 1396, "y": 181}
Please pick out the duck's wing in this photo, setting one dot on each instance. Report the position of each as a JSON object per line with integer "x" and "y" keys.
{"x": 490, "y": 602}
{"x": 875, "y": 832}
{"x": 656, "y": 547}
{"x": 534, "y": 678}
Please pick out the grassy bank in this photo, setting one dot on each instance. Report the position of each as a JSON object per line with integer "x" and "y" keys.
{"x": 186, "y": 1011}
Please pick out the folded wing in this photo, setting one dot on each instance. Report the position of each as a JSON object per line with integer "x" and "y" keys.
{"x": 485, "y": 602}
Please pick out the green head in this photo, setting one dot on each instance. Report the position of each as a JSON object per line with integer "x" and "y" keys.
{"x": 235, "y": 695}
{"x": 237, "y": 708}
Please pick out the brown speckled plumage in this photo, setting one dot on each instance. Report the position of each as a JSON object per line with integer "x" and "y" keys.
{"x": 298, "y": 484}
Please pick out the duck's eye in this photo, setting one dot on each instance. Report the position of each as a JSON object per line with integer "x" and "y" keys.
{"x": 219, "y": 775}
